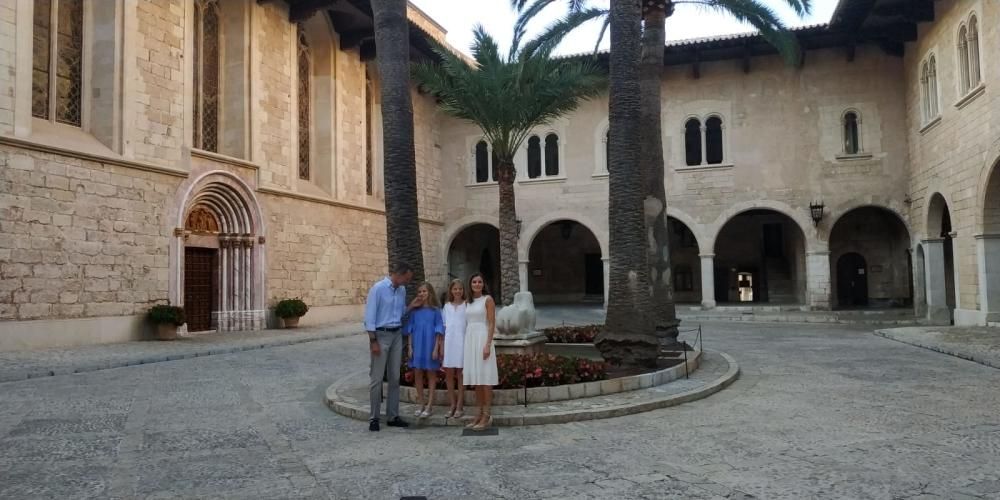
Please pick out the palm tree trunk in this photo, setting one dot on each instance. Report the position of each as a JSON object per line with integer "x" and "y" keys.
{"x": 399, "y": 160}
{"x": 510, "y": 282}
{"x": 652, "y": 164}
{"x": 628, "y": 337}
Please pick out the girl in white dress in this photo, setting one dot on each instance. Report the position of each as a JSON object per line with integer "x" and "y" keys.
{"x": 480, "y": 356}
{"x": 454, "y": 346}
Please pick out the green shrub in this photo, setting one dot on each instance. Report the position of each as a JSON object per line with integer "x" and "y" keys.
{"x": 167, "y": 315}
{"x": 291, "y": 308}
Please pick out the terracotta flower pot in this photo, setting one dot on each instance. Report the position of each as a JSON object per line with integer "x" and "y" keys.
{"x": 166, "y": 331}
{"x": 291, "y": 322}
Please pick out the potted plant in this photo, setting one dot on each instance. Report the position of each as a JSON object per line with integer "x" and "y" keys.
{"x": 290, "y": 310}
{"x": 166, "y": 318}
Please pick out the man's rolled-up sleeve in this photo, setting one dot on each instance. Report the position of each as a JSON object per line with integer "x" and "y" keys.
{"x": 371, "y": 309}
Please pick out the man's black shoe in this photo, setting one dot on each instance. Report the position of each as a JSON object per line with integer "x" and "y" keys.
{"x": 397, "y": 422}
{"x": 373, "y": 426}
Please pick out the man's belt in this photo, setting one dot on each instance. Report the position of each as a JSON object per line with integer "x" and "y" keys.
{"x": 385, "y": 329}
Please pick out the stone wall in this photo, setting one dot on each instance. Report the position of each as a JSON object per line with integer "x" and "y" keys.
{"x": 156, "y": 131}
{"x": 8, "y": 72}
{"x": 88, "y": 234}
{"x": 951, "y": 155}
{"x": 783, "y": 150}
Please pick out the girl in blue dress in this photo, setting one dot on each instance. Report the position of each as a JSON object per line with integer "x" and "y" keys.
{"x": 425, "y": 335}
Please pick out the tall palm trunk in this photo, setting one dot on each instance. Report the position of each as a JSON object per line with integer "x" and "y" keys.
{"x": 652, "y": 164}
{"x": 392, "y": 42}
{"x": 628, "y": 336}
{"x": 510, "y": 282}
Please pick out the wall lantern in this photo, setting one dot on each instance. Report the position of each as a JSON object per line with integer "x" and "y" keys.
{"x": 816, "y": 211}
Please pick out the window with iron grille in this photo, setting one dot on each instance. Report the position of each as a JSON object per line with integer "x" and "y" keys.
{"x": 57, "y": 61}
{"x": 206, "y": 74}
{"x": 305, "y": 102}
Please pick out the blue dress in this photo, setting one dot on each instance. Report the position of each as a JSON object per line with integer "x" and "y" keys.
{"x": 424, "y": 327}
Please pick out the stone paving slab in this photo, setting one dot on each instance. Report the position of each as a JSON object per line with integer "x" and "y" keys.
{"x": 349, "y": 397}
{"x": 978, "y": 344}
{"x": 22, "y": 365}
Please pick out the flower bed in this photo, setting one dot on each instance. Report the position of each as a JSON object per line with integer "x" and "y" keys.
{"x": 572, "y": 334}
{"x": 533, "y": 370}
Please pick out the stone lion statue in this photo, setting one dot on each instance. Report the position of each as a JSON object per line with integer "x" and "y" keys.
{"x": 519, "y": 317}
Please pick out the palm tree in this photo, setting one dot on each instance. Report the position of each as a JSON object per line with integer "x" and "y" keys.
{"x": 392, "y": 41}
{"x": 628, "y": 334}
{"x": 651, "y": 163}
{"x": 508, "y": 96}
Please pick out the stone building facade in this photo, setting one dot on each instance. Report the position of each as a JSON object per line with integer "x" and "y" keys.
{"x": 216, "y": 154}
{"x": 829, "y": 184}
{"x": 224, "y": 154}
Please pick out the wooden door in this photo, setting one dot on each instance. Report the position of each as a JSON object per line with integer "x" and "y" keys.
{"x": 852, "y": 280}
{"x": 199, "y": 287}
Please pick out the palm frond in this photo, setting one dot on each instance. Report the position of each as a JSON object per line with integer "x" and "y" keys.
{"x": 761, "y": 17}
{"x": 507, "y": 98}
{"x": 525, "y": 16}
{"x": 549, "y": 38}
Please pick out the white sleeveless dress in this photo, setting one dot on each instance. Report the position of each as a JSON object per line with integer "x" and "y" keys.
{"x": 454, "y": 335}
{"x": 478, "y": 371}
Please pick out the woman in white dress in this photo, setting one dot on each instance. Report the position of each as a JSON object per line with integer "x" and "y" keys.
{"x": 454, "y": 345}
{"x": 480, "y": 368}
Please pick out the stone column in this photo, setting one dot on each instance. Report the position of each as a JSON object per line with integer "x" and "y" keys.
{"x": 607, "y": 278}
{"x": 919, "y": 284}
{"x": 818, "y": 280}
{"x": 934, "y": 273}
{"x": 707, "y": 280}
{"x": 522, "y": 273}
{"x": 988, "y": 255}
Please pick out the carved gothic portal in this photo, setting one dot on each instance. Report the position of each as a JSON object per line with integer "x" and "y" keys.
{"x": 221, "y": 251}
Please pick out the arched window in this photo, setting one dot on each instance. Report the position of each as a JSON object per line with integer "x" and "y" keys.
{"x": 551, "y": 155}
{"x": 852, "y": 143}
{"x": 933, "y": 86}
{"x": 534, "y": 157}
{"x": 692, "y": 142}
{"x": 963, "y": 60}
{"x": 975, "y": 72}
{"x": 928, "y": 88}
{"x": 206, "y": 75}
{"x": 305, "y": 99}
{"x": 57, "y": 61}
{"x": 713, "y": 140}
{"x": 482, "y": 162}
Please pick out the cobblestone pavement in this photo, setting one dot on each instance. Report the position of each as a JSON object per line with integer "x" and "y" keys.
{"x": 21, "y": 365}
{"x": 979, "y": 344}
{"x": 821, "y": 411}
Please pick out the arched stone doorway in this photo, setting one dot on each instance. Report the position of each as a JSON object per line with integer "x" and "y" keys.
{"x": 219, "y": 257}
{"x": 988, "y": 249}
{"x": 939, "y": 251}
{"x": 686, "y": 263}
{"x": 476, "y": 249}
{"x": 565, "y": 265}
{"x": 760, "y": 257}
{"x": 876, "y": 271}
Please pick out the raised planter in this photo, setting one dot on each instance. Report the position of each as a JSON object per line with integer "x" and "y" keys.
{"x": 508, "y": 397}
{"x": 585, "y": 351}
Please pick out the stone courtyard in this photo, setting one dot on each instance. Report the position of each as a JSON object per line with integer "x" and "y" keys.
{"x": 820, "y": 411}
